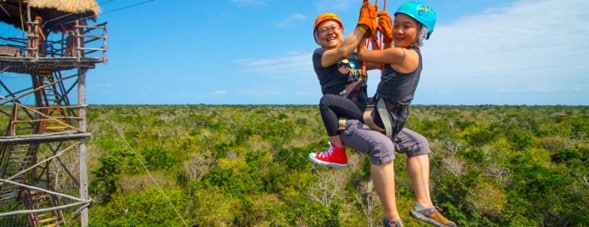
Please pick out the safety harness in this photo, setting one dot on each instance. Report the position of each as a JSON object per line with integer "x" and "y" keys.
{"x": 385, "y": 117}
{"x": 368, "y": 118}
{"x": 380, "y": 105}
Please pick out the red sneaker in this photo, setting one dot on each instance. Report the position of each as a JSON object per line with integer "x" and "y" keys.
{"x": 334, "y": 157}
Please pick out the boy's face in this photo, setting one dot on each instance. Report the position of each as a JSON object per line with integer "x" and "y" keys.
{"x": 404, "y": 30}
{"x": 329, "y": 34}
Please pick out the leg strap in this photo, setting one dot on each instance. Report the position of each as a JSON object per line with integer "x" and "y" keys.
{"x": 368, "y": 119}
{"x": 341, "y": 122}
{"x": 382, "y": 111}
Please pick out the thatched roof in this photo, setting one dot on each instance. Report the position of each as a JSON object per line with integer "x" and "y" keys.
{"x": 58, "y": 14}
{"x": 70, "y": 6}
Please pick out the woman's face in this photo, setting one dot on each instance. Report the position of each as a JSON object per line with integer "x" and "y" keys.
{"x": 329, "y": 34}
{"x": 405, "y": 30}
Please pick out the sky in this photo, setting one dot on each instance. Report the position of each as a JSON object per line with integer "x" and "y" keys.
{"x": 484, "y": 52}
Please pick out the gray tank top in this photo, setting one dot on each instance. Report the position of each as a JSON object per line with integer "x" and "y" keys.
{"x": 399, "y": 88}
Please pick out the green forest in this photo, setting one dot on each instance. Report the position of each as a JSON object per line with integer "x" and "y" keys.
{"x": 247, "y": 165}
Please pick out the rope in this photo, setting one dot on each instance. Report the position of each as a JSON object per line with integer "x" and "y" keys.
{"x": 377, "y": 40}
{"x": 22, "y": 22}
{"x": 159, "y": 188}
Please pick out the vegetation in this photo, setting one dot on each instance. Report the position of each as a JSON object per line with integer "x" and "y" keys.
{"x": 202, "y": 165}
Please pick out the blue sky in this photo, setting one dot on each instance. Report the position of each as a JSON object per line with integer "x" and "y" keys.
{"x": 530, "y": 52}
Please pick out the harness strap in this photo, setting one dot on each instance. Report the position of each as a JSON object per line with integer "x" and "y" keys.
{"x": 341, "y": 122}
{"x": 385, "y": 117}
{"x": 369, "y": 120}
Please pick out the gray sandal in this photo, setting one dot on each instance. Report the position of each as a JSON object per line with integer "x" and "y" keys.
{"x": 393, "y": 223}
{"x": 432, "y": 216}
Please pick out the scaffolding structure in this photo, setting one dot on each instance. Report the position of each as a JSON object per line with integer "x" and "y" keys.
{"x": 43, "y": 156}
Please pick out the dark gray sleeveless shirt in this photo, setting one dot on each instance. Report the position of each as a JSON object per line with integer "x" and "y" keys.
{"x": 399, "y": 88}
{"x": 331, "y": 78}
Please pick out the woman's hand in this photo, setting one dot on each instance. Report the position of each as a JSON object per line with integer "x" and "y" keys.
{"x": 362, "y": 49}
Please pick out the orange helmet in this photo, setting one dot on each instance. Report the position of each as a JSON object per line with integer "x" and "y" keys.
{"x": 325, "y": 17}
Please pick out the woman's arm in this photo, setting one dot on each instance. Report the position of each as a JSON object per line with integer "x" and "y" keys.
{"x": 344, "y": 50}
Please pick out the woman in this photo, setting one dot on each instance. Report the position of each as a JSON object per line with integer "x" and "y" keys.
{"x": 340, "y": 76}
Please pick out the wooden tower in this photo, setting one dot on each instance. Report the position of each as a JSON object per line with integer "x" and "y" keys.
{"x": 43, "y": 156}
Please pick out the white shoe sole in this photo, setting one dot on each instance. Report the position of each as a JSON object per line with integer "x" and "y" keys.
{"x": 324, "y": 163}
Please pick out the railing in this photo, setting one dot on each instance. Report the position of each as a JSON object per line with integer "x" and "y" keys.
{"x": 85, "y": 42}
{"x": 14, "y": 47}
{"x": 93, "y": 40}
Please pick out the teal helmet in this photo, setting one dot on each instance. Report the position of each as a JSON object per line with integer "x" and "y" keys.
{"x": 421, "y": 12}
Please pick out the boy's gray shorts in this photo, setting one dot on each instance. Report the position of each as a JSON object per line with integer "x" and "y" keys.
{"x": 380, "y": 148}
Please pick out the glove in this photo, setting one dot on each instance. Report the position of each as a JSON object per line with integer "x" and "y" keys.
{"x": 368, "y": 17}
{"x": 385, "y": 26}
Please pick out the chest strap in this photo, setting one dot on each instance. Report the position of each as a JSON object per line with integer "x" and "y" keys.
{"x": 385, "y": 117}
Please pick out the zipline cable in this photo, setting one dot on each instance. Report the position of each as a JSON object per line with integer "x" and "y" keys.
{"x": 110, "y": 11}
{"x": 128, "y": 145}
{"x": 128, "y": 6}
{"x": 159, "y": 188}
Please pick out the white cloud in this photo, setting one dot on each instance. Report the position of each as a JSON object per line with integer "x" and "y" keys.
{"x": 280, "y": 66}
{"x": 537, "y": 45}
{"x": 335, "y": 5}
{"x": 248, "y": 2}
{"x": 533, "y": 49}
{"x": 260, "y": 92}
{"x": 291, "y": 20}
{"x": 101, "y": 85}
{"x": 220, "y": 93}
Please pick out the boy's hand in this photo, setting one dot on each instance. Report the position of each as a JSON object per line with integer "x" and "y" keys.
{"x": 385, "y": 26}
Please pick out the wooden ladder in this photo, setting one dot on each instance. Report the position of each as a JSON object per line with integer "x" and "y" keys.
{"x": 52, "y": 98}
{"x": 41, "y": 200}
